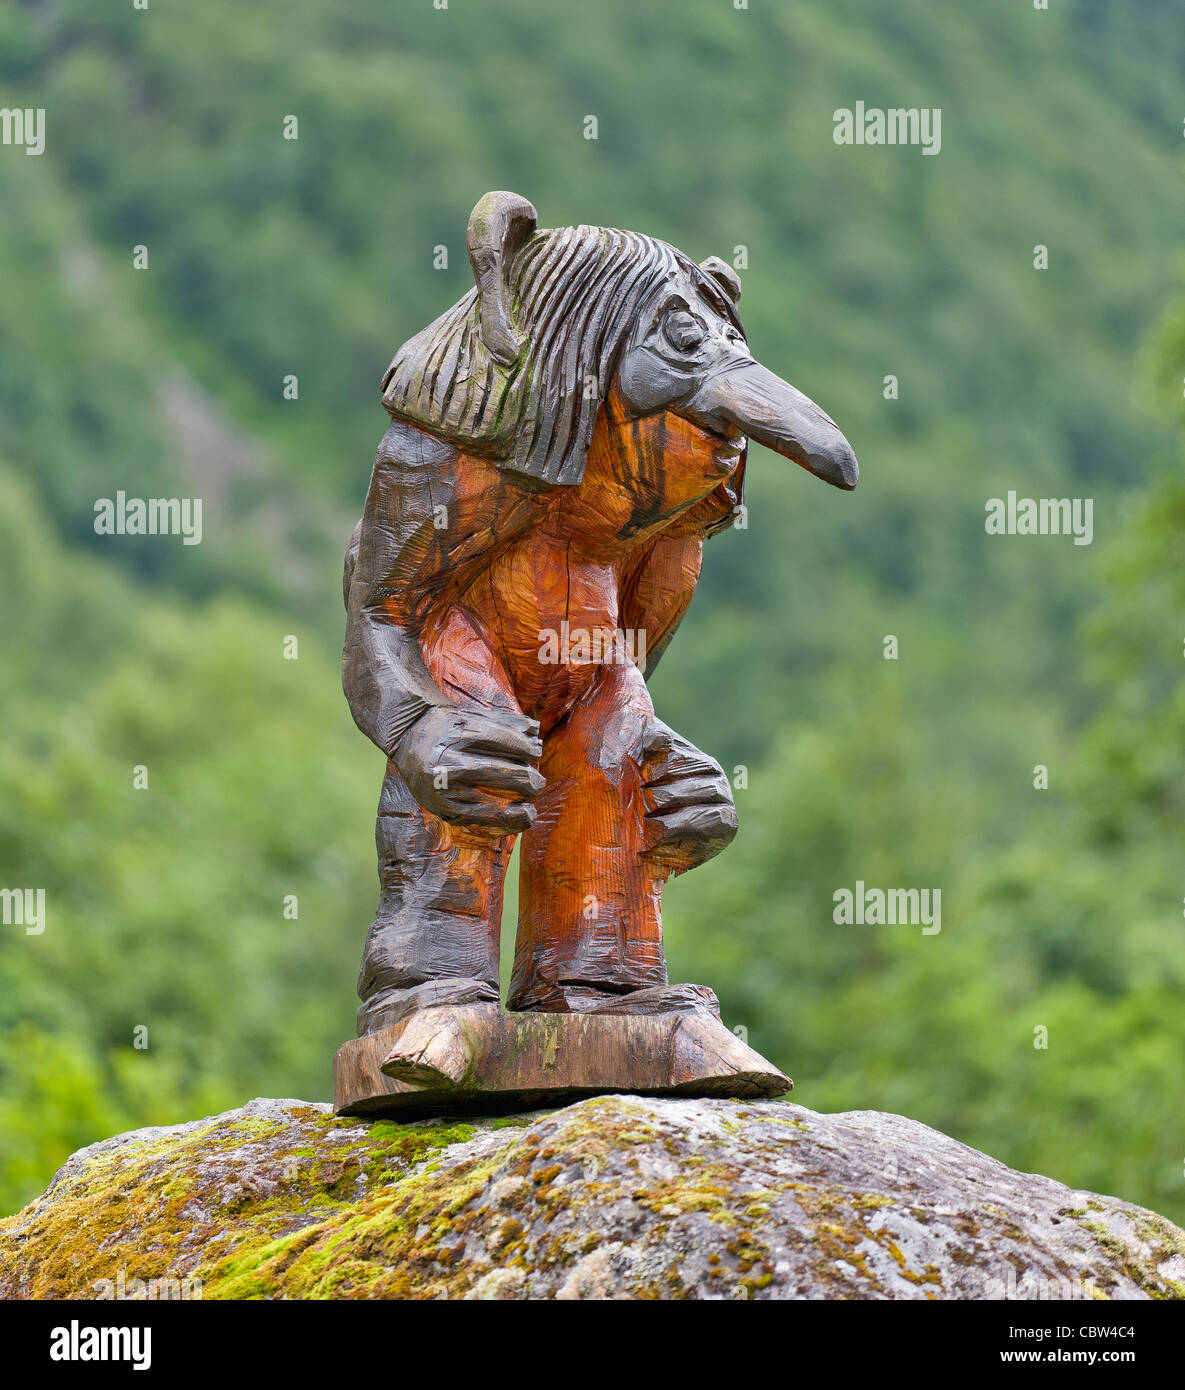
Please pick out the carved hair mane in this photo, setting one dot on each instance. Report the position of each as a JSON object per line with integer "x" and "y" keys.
{"x": 576, "y": 294}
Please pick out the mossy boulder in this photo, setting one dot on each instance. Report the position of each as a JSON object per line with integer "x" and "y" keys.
{"x": 614, "y": 1197}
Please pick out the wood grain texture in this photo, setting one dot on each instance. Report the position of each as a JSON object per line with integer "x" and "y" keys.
{"x": 477, "y": 1057}
{"x": 563, "y": 440}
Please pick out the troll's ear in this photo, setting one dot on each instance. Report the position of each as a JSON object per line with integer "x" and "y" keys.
{"x": 724, "y": 275}
{"x": 498, "y": 226}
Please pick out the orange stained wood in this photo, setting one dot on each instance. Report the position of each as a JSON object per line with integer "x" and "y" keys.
{"x": 620, "y": 552}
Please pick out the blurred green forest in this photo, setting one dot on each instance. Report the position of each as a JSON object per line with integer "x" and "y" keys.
{"x": 313, "y": 257}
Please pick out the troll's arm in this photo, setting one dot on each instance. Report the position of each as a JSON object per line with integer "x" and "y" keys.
{"x": 432, "y": 515}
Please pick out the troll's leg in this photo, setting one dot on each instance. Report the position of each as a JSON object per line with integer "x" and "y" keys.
{"x": 627, "y": 803}
{"x": 435, "y": 936}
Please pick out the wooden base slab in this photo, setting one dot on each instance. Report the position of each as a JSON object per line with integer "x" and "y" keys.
{"x": 475, "y": 1057}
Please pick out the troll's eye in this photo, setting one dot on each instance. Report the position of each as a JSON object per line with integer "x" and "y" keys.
{"x": 683, "y": 330}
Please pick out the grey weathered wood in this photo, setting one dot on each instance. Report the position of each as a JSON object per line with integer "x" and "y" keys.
{"x": 478, "y": 1057}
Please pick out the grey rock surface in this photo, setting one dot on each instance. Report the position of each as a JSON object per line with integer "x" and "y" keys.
{"x": 616, "y": 1197}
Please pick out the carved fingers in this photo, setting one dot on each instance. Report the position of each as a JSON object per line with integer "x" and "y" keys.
{"x": 474, "y": 767}
{"x": 689, "y": 806}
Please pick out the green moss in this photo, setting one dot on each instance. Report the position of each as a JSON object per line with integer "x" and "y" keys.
{"x": 284, "y": 1184}
{"x": 1164, "y": 1239}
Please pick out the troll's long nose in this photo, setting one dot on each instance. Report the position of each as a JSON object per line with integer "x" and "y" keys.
{"x": 770, "y": 410}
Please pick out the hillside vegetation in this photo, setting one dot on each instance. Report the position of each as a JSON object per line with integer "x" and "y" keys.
{"x": 313, "y": 257}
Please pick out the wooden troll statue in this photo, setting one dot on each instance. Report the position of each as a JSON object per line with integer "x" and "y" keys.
{"x": 562, "y": 442}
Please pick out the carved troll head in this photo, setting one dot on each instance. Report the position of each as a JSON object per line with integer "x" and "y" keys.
{"x": 519, "y": 367}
